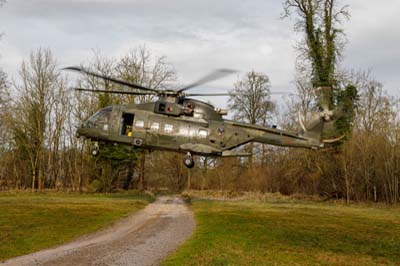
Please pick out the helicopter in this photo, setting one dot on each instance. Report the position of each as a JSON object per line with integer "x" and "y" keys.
{"x": 176, "y": 122}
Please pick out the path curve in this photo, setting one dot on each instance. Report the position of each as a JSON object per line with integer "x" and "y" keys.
{"x": 144, "y": 238}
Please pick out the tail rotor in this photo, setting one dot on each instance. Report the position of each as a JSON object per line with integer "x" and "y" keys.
{"x": 324, "y": 120}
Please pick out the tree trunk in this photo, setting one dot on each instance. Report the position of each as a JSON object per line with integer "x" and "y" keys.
{"x": 142, "y": 180}
{"x": 189, "y": 177}
{"x": 33, "y": 182}
{"x": 204, "y": 172}
{"x": 251, "y": 148}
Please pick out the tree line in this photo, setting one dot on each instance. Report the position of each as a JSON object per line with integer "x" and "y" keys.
{"x": 39, "y": 150}
{"x": 39, "y": 114}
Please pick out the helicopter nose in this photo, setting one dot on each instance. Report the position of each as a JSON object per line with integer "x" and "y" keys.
{"x": 78, "y": 132}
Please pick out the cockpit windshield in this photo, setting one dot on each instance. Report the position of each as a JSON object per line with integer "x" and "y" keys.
{"x": 100, "y": 119}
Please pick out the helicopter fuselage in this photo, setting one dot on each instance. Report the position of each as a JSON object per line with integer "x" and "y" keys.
{"x": 190, "y": 126}
{"x": 178, "y": 123}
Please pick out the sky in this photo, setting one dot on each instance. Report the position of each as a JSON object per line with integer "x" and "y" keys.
{"x": 196, "y": 36}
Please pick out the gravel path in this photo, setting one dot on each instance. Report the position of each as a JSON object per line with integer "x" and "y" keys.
{"x": 144, "y": 238}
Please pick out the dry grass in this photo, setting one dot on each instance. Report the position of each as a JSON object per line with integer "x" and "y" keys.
{"x": 246, "y": 196}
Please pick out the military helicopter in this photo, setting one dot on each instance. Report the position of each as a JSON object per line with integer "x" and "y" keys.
{"x": 178, "y": 123}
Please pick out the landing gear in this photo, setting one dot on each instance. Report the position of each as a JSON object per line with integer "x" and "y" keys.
{"x": 95, "y": 150}
{"x": 188, "y": 161}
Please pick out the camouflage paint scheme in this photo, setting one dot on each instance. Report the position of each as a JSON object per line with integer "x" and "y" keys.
{"x": 188, "y": 126}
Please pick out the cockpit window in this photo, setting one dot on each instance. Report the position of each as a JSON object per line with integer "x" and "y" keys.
{"x": 100, "y": 119}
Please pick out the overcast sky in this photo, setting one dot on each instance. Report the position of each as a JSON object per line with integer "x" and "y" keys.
{"x": 195, "y": 36}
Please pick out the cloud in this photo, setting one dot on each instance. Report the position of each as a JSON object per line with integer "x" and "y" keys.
{"x": 373, "y": 38}
{"x": 196, "y": 36}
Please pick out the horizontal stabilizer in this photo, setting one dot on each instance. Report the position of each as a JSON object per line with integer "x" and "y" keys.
{"x": 235, "y": 154}
{"x": 199, "y": 148}
{"x": 329, "y": 141}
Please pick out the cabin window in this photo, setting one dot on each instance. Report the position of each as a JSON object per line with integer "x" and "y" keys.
{"x": 184, "y": 131}
{"x": 139, "y": 123}
{"x": 193, "y": 132}
{"x": 155, "y": 126}
{"x": 203, "y": 133}
{"x": 126, "y": 124}
{"x": 168, "y": 128}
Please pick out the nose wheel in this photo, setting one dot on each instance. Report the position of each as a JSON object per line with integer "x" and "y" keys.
{"x": 95, "y": 150}
{"x": 188, "y": 161}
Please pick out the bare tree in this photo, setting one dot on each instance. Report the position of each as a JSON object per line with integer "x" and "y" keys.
{"x": 374, "y": 104}
{"x": 322, "y": 45}
{"x": 139, "y": 66}
{"x": 250, "y": 100}
{"x": 4, "y": 96}
{"x": 301, "y": 104}
{"x": 32, "y": 110}
{"x": 104, "y": 66}
{"x": 4, "y": 132}
{"x": 56, "y": 132}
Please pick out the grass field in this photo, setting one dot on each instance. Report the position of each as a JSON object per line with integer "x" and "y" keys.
{"x": 31, "y": 222}
{"x": 250, "y": 233}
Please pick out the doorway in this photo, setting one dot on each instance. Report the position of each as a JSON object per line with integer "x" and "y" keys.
{"x": 127, "y": 122}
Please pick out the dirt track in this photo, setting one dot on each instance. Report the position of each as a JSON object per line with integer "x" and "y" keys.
{"x": 144, "y": 238}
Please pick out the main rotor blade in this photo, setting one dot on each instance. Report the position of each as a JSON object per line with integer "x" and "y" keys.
{"x": 229, "y": 94}
{"x": 117, "y": 92}
{"x": 207, "y": 94}
{"x": 281, "y": 93}
{"x": 217, "y": 74}
{"x": 117, "y": 81}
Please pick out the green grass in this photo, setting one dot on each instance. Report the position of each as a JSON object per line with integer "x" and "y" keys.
{"x": 250, "y": 233}
{"x": 31, "y": 222}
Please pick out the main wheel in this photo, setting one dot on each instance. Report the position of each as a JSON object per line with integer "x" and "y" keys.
{"x": 95, "y": 152}
{"x": 188, "y": 161}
